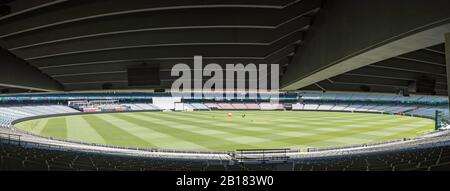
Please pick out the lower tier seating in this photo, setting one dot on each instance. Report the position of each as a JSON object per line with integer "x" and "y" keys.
{"x": 14, "y": 157}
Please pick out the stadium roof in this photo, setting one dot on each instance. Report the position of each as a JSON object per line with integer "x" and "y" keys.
{"x": 379, "y": 46}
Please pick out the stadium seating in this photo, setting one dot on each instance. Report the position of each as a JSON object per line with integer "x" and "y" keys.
{"x": 12, "y": 113}
{"x": 278, "y": 106}
{"x": 14, "y": 157}
{"x": 388, "y": 108}
{"x": 199, "y": 106}
{"x": 271, "y": 106}
{"x": 142, "y": 107}
{"x": 416, "y": 159}
{"x": 311, "y": 107}
{"x": 266, "y": 106}
{"x": 188, "y": 107}
{"x": 372, "y": 97}
{"x": 239, "y": 106}
{"x": 252, "y": 106}
{"x": 18, "y": 158}
{"x": 339, "y": 107}
{"x": 213, "y": 106}
{"x": 225, "y": 106}
{"x": 298, "y": 106}
{"x": 325, "y": 107}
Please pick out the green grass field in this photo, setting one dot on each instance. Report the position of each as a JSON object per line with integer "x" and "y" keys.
{"x": 216, "y": 131}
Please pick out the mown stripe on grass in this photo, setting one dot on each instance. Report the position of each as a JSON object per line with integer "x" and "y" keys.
{"x": 319, "y": 138}
{"x": 112, "y": 134}
{"x": 350, "y": 133}
{"x": 205, "y": 141}
{"x": 271, "y": 131}
{"x": 56, "y": 128}
{"x": 143, "y": 133}
{"x": 33, "y": 126}
{"x": 79, "y": 129}
{"x": 237, "y": 129}
{"x": 215, "y": 131}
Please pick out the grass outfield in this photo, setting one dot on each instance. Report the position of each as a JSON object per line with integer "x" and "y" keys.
{"x": 216, "y": 131}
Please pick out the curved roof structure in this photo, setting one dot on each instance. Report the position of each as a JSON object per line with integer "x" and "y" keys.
{"x": 328, "y": 45}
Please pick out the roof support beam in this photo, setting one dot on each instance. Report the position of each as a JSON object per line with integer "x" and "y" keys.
{"x": 154, "y": 38}
{"x": 19, "y": 7}
{"x": 351, "y": 34}
{"x": 72, "y": 11}
{"x": 411, "y": 66}
{"x": 91, "y": 25}
{"x": 19, "y": 74}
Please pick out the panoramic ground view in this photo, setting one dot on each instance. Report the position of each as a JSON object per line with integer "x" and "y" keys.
{"x": 230, "y": 130}
{"x": 224, "y": 85}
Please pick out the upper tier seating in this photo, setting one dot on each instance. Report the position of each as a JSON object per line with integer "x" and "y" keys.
{"x": 371, "y": 97}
